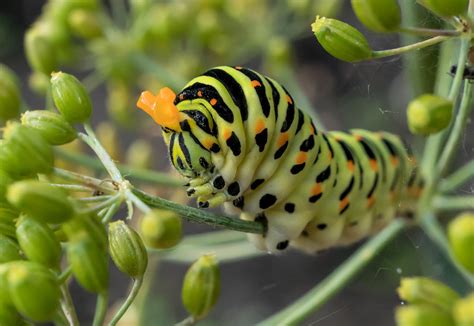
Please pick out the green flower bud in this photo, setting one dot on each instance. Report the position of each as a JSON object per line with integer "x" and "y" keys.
{"x": 89, "y": 264}
{"x": 88, "y": 224}
{"x": 38, "y": 242}
{"x": 464, "y": 311}
{"x": 423, "y": 290}
{"x": 429, "y": 114}
{"x": 40, "y": 200}
{"x": 422, "y": 315}
{"x": 20, "y": 146}
{"x": 39, "y": 83}
{"x": 201, "y": 286}
{"x": 9, "y": 250}
{"x": 40, "y": 51}
{"x": 140, "y": 154}
{"x": 85, "y": 24}
{"x": 378, "y": 15}
{"x": 341, "y": 40}
{"x": 9, "y": 315}
{"x": 461, "y": 238}
{"x": 7, "y": 221}
{"x": 4, "y": 290}
{"x": 446, "y": 8}
{"x": 161, "y": 229}
{"x": 34, "y": 290}
{"x": 52, "y": 126}
{"x": 10, "y": 97}
{"x": 5, "y": 181}
{"x": 127, "y": 250}
{"x": 70, "y": 97}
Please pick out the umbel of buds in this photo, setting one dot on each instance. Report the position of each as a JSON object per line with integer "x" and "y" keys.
{"x": 40, "y": 200}
{"x": 429, "y": 114}
{"x": 461, "y": 239}
{"x": 378, "y": 15}
{"x": 446, "y": 8}
{"x": 201, "y": 286}
{"x": 341, "y": 40}
{"x": 161, "y": 229}
{"x": 127, "y": 249}
{"x": 9, "y": 94}
{"x": 70, "y": 97}
{"x": 52, "y": 126}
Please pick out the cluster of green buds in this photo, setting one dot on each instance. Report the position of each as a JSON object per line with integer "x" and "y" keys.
{"x": 431, "y": 302}
{"x": 461, "y": 239}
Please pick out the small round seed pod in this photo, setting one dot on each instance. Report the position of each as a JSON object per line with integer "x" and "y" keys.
{"x": 461, "y": 239}
{"x": 201, "y": 286}
{"x": 40, "y": 51}
{"x": 341, "y": 40}
{"x": 34, "y": 290}
{"x": 38, "y": 242}
{"x": 9, "y": 250}
{"x": 463, "y": 311}
{"x": 52, "y": 126}
{"x": 40, "y": 200}
{"x": 161, "y": 229}
{"x": 89, "y": 263}
{"x": 10, "y": 96}
{"x": 422, "y": 315}
{"x": 20, "y": 145}
{"x": 127, "y": 250}
{"x": 446, "y": 8}
{"x": 378, "y": 15}
{"x": 423, "y": 290}
{"x": 8, "y": 215}
{"x": 89, "y": 224}
{"x": 428, "y": 114}
{"x": 70, "y": 97}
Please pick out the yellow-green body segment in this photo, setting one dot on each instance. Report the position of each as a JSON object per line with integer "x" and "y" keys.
{"x": 243, "y": 142}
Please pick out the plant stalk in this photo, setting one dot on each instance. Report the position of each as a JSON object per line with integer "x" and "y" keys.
{"x": 407, "y": 48}
{"x": 137, "y": 283}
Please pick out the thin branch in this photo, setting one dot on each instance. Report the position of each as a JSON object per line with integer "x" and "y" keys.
{"x": 100, "y": 309}
{"x": 407, "y": 48}
{"x": 418, "y": 31}
{"x": 453, "y": 203}
{"x": 137, "y": 283}
{"x": 68, "y": 307}
{"x": 458, "y": 178}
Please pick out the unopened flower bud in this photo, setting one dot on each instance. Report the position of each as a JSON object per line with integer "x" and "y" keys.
{"x": 89, "y": 224}
{"x": 341, "y": 40}
{"x": 378, "y": 15}
{"x": 34, "y": 290}
{"x": 422, "y": 315}
{"x": 429, "y": 114}
{"x": 9, "y": 250}
{"x": 201, "y": 286}
{"x": 5, "y": 181}
{"x": 4, "y": 291}
{"x": 70, "y": 97}
{"x": 52, "y": 126}
{"x": 9, "y": 315}
{"x": 40, "y": 51}
{"x": 24, "y": 151}
{"x": 40, "y": 200}
{"x": 10, "y": 97}
{"x": 461, "y": 238}
{"x": 161, "y": 229}
{"x": 446, "y": 8}
{"x": 7, "y": 221}
{"x": 89, "y": 263}
{"x": 464, "y": 311}
{"x": 85, "y": 24}
{"x": 38, "y": 242}
{"x": 127, "y": 250}
{"x": 423, "y": 290}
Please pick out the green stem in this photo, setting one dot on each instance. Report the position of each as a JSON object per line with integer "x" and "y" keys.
{"x": 110, "y": 212}
{"x": 407, "y": 48}
{"x": 435, "y": 232}
{"x": 137, "y": 283}
{"x": 458, "y": 178}
{"x": 128, "y": 171}
{"x": 200, "y": 216}
{"x": 418, "y": 31}
{"x": 188, "y": 321}
{"x": 332, "y": 284}
{"x": 137, "y": 201}
{"x": 100, "y": 309}
{"x": 70, "y": 187}
{"x": 94, "y": 183}
{"x": 66, "y": 273}
{"x": 109, "y": 202}
{"x": 459, "y": 126}
{"x": 94, "y": 199}
{"x": 68, "y": 307}
{"x": 453, "y": 203}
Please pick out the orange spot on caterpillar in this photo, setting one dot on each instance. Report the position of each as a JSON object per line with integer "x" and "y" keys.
{"x": 238, "y": 67}
{"x": 282, "y": 139}
{"x": 350, "y": 166}
{"x": 373, "y": 165}
{"x": 288, "y": 99}
{"x": 317, "y": 189}
{"x": 302, "y": 156}
{"x": 161, "y": 108}
{"x": 255, "y": 83}
{"x": 394, "y": 160}
{"x": 213, "y": 101}
{"x": 199, "y": 93}
{"x": 259, "y": 126}
{"x": 311, "y": 129}
{"x": 358, "y": 137}
{"x": 370, "y": 201}
{"x": 227, "y": 133}
{"x": 343, "y": 203}
{"x": 207, "y": 143}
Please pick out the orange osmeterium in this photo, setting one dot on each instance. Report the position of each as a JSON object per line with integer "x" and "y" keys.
{"x": 161, "y": 108}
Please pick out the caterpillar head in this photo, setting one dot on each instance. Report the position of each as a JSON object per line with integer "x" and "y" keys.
{"x": 187, "y": 152}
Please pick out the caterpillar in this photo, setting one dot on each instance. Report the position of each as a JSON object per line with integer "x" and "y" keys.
{"x": 239, "y": 139}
